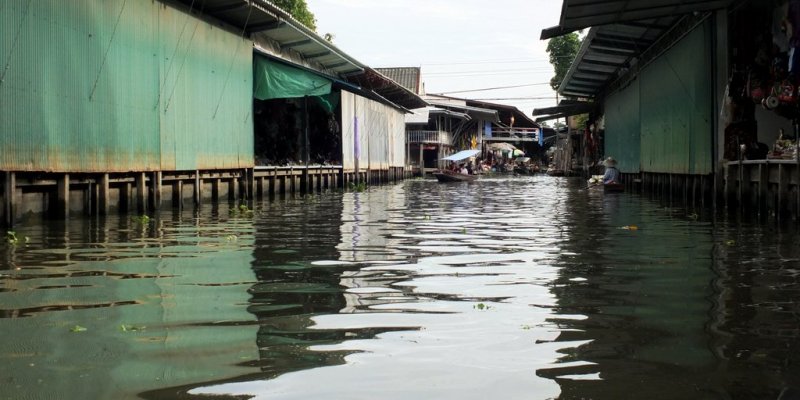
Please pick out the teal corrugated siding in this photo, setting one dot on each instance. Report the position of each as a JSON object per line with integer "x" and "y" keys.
{"x": 676, "y": 111}
{"x": 206, "y": 95}
{"x": 622, "y": 127}
{"x": 83, "y": 82}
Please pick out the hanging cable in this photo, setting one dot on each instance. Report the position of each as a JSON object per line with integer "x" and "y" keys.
{"x": 183, "y": 63}
{"x": 233, "y": 59}
{"x": 16, "y": 40}
{"x": 174, "y": 52}
{"x": 108, "y": 50}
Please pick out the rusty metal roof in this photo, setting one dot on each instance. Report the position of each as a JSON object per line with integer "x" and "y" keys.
{"x": 580, "y": 14}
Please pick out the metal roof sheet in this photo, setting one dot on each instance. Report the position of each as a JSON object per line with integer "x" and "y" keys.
{"x": 580, "y": 14}
{"x": 608, "y": 51}
{"x": 564, "y": 109}
{"x": 264, "y": 18}
{"x": 408, "y": 77}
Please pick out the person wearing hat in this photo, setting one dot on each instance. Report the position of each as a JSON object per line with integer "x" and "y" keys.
{"x": 612, "y": 173}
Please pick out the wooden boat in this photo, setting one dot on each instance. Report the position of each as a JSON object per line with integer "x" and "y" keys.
{"x": 450, "y": 176}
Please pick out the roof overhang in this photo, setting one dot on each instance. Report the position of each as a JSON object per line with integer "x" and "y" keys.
{"x": 387, "y": 88}
{"x": 608, "y": 52}
{"x": 580, "y": 14}
{"x": 474, "y": 112}
{"x": 565, "y": 108}
{"x": 260, "y": 17}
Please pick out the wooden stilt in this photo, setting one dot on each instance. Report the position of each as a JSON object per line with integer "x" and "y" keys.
{"x": 9, "y": 198}
{"x": 141, "y": 193}
{"x": 157, "y": 190}
{"x": 196, "y": 188}
{"x": 104, "y": 195}
{"x": 215, "y": 190}
{"x": 177, "y": 194}
{"x": 62, "y": 194}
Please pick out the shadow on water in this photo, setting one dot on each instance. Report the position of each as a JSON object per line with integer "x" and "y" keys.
{"x": 508, "y": 287}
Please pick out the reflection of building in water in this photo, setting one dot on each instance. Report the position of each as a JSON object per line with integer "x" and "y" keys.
{"x": 367, "y": 222}
{"x": 115, "y": 310}
{"x": 368, "y": 288}
{"x": 644, "y": 294}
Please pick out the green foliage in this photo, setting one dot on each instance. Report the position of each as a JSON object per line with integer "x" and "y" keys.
{"x": 298, "y": 9}
{"x": 358, "y": 187}
{"x": 581, "y": 120}
{"x": 142, "y": 219}
{"x": 243, "y": 210}
{"x": 12, "y": 238}
{"x": 562, "y": 50}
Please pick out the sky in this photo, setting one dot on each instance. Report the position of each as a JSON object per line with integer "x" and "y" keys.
{"x": 459, "y": 44}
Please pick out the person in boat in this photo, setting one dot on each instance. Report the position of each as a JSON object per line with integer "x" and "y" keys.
{"x": 612, "y": 173}
{"x": 464, "y": 170}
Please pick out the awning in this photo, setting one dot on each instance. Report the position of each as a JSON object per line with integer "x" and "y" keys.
{"x": 275, "y": 80}
{"x": 580, "y": 14}
{"x": 564, "y": 109}
{"x": 463, "y": 154}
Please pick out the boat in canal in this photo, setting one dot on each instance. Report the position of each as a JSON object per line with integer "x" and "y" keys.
{"x": 444, "y": 175}
{"x": 450, "y": 176}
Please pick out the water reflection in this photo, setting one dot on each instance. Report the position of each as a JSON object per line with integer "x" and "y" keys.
{"x": 510, "y": 287}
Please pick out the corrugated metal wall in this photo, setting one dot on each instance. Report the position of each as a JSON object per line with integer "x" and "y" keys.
{"x": 206, "y": 95}
{"x": 622, "y": 126}
{"x": 86, "y": 82}
{"x": 380, "y": 129}
{"x": 676, "y": 108}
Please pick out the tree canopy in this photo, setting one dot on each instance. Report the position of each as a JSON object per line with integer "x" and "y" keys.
{"x": 562, "y": 50}
{"x": 299, "y": 10}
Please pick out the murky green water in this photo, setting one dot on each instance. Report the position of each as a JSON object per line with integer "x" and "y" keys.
{"x": 519, "y": 288}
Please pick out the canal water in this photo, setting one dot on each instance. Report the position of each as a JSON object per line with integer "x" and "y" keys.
{"x": 507, "y": 288}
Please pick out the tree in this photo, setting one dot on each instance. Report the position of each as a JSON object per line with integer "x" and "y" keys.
{"x": 298, "y": 9}
{"x": 562, "y": 50}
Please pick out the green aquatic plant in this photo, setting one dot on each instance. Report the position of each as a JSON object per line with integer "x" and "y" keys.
{"x": 242, "y": 210}
{"x": 11, "y": 237}
{"x": 481, "y": 306}
{"x": 142, "y": 219}
{"x": 131, "y": 328}
{"x": 358, "y": 187}
{"x": 77, "y": 328}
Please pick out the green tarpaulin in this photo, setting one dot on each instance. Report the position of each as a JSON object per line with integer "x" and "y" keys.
{"x": 274, "y": 80}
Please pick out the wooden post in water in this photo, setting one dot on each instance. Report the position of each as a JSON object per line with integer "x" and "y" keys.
{"x": 157, "y": 187}
{"x": 215, "y": 189}
{"x": 197, "y": 188}
{"x": 9, "y": 197}
{"x": 177, "y": 194}
{"x": 103, "y": 196}
{"x": 141, "y": 192}
{"x": 62, "y": 195}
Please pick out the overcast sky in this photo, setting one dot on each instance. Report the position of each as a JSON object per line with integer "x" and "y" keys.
{"x": 460, "y": 44}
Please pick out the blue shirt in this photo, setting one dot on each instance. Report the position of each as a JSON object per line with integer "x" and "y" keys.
{"x": 611, "y": 175}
